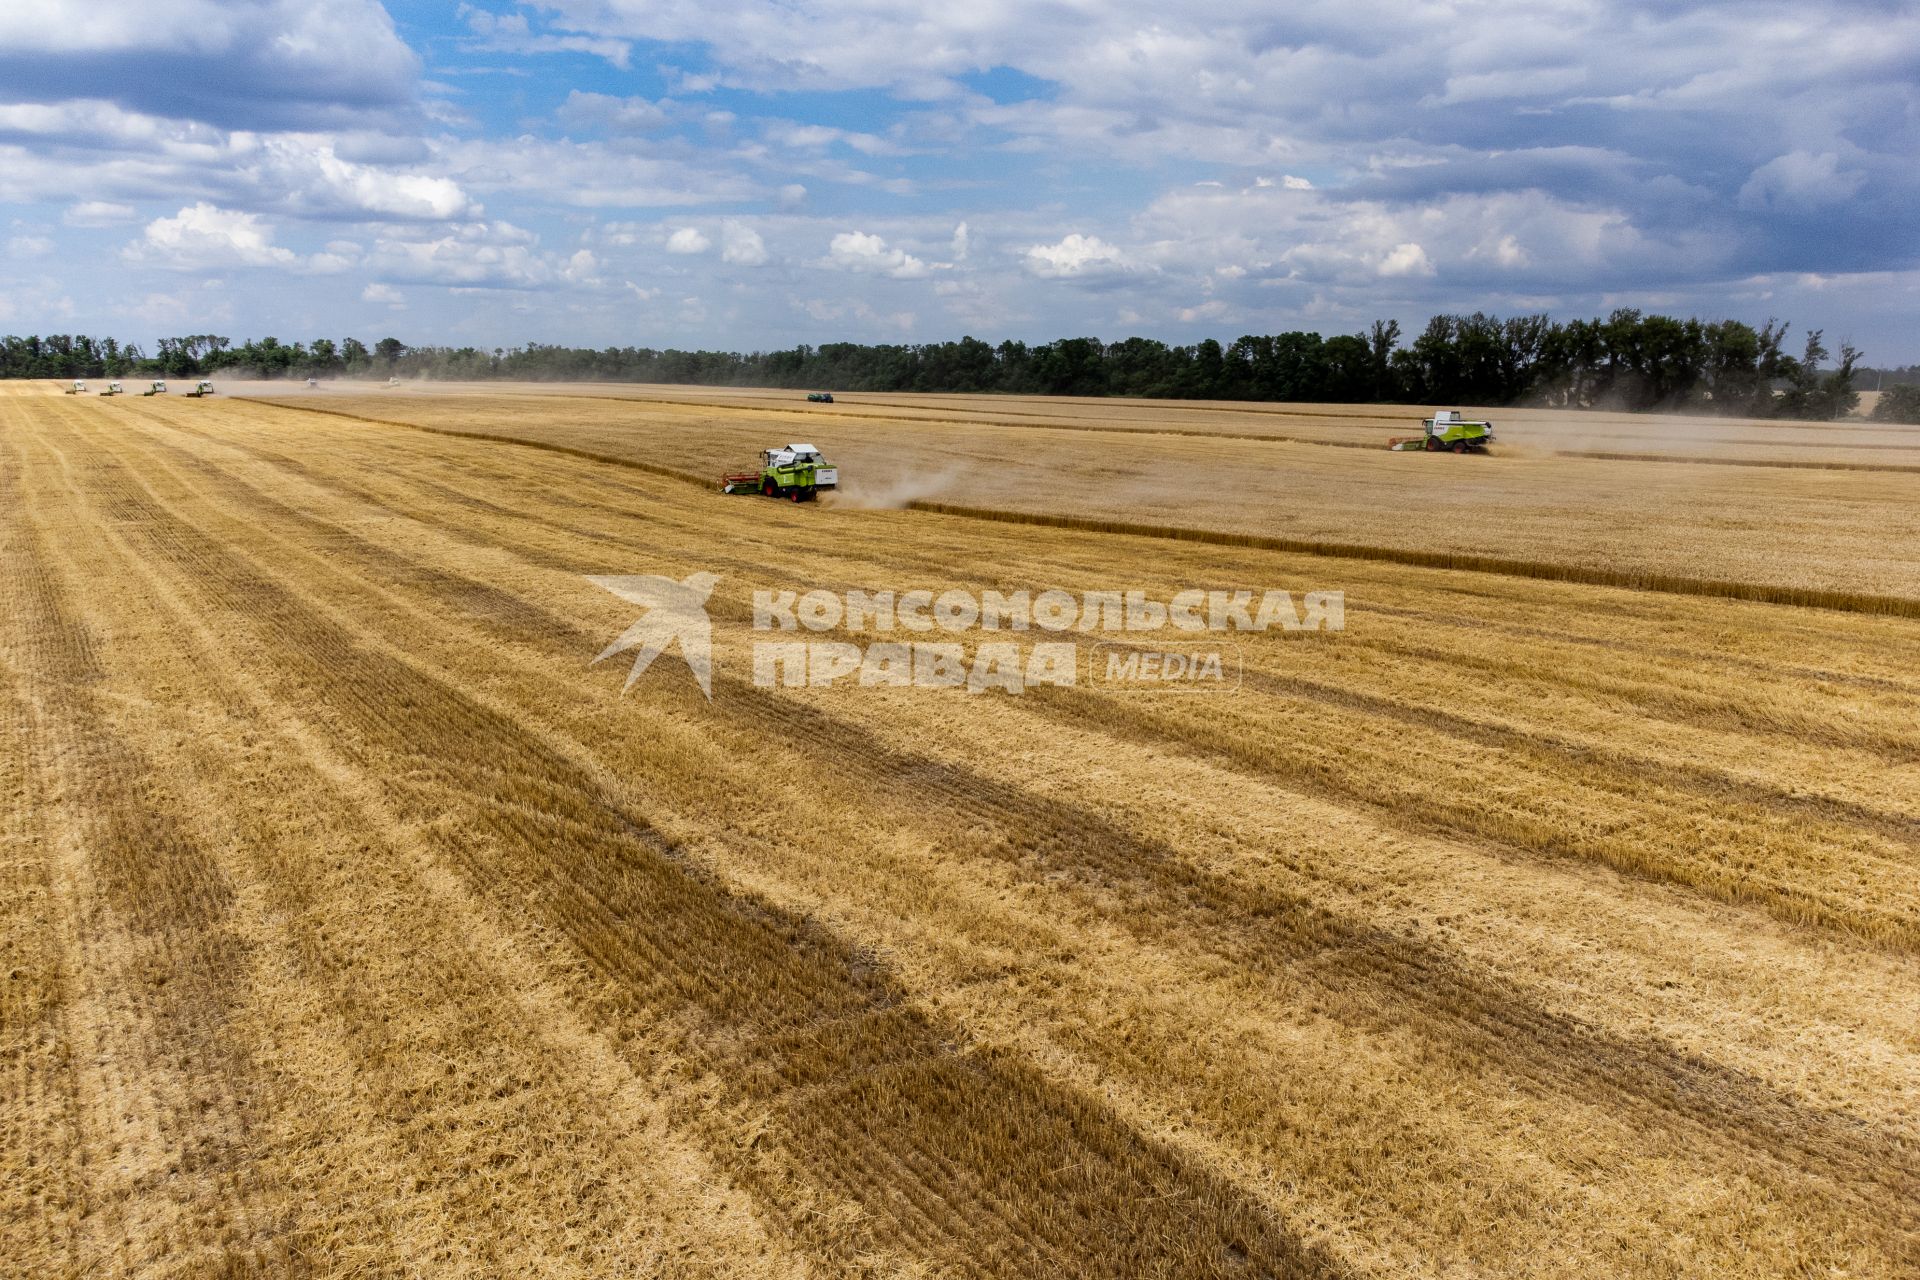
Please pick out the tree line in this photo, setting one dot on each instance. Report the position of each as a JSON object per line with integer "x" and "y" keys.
{"x": 1627, "y": 361}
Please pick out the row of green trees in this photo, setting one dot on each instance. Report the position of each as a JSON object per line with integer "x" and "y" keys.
{"x": 79, "y": 356}
{"x": 1629, "y": 360}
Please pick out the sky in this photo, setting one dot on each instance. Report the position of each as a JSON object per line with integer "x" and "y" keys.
{"x": 753, "y": 175}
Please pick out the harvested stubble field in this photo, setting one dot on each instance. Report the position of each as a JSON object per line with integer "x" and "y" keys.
{"x": 353, "y": 923}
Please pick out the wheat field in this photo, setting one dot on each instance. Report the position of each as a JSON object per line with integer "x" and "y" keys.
{"x": 1772, "y": 511}
{"x": 1557, "y": 917}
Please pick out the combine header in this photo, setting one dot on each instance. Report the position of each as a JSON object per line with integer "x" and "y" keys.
{"x": 203, "y": 388}
{"x": 796, "y": 471}
{"x": 158, "y": 388}
{"x": 1446, "y": 429}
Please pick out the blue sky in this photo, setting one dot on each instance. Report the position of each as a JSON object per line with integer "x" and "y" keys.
{"x": 665, "y": 172}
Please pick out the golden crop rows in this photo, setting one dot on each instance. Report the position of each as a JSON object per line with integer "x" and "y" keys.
{"x": 353, "y": 923}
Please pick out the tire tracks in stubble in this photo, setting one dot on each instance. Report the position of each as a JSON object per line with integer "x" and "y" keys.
{"x": 1379, "y": 980}
{"x": 448, "y": 1070}
{"x": 168, "y": 1153}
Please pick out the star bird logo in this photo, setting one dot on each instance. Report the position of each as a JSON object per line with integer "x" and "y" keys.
{"x": 676, "y": 611}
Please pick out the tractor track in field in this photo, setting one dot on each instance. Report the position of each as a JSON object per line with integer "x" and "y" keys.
{"x": 1168, "y": 898}
{"x": 671, "y": 937}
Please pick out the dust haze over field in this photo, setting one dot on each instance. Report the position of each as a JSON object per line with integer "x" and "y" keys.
{"x": 1556, "y": 917}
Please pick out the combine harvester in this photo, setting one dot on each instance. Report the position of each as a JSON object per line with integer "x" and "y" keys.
{"x": 158, "y": 388}
{"x": 795, "y": 471}
{"x": 819, "y": 397}
{"x": 113, "y": 389}
{"x": 1446, "y": 429}
{"x": 78, "y": 388}
{"x": 203, "y": 388}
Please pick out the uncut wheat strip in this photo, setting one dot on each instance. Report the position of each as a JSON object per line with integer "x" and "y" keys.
{"x": 1014, "y": 1208}
{"x": 350, "y": 943}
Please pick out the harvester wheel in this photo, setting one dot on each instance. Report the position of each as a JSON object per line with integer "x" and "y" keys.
{"x": 1459, "y": 446}
{"x": 769, "y": 488}
{"x": 797, "y": 494}
{"x": 1433, "y": 444}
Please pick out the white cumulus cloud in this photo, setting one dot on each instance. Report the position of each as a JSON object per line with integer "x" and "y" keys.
{"x": 203, "y": 236}
{"x": 1406, "y": 259}
{"x": 688, "y": 240}
{"x": 1075, "y": 255}
{"x": 741, "y": 245}
{"x": 869, "y": 254}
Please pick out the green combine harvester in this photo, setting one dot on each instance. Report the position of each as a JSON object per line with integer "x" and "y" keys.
{"x": 205, "y": 388}
{"x": 1447, "y": 430}
{"x": 796, "y": 472}
{"x": 158, "y": 388}
{"x": 113, "y": 389}
{"x": 819, "y": 397}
